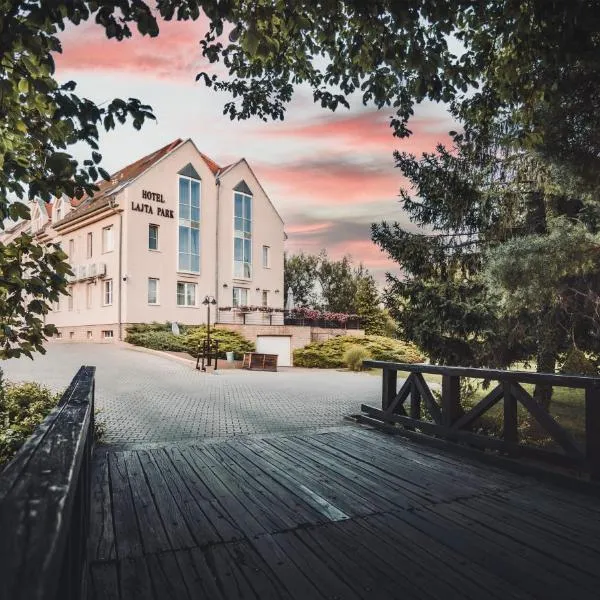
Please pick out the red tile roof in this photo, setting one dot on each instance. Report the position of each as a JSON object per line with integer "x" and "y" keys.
{"x": 125, "y": 175}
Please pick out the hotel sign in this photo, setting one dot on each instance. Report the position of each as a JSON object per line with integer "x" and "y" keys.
{"x": 149, "y": 208}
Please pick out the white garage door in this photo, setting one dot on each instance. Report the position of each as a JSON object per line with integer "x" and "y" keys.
{"x": 276, "y": 344}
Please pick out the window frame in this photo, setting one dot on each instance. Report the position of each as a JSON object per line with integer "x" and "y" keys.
{"x": 185, "y": 294}
{"x": 156, "y": 291}
{"x": 89, "y": 296}
{"x": 245, "y": 237}
{"x": 105, "y": 249}
{"x": 72, "y": 248}
{"x": 106, "y": 285}
{"x": 238, "y": 303}
{"x": 108, "y": 334}
{"x": 187, "y": 224}
{"x": 264, "y": 300}
{"x": 155, "y": 227}
{"x": 89, "y": 244}
{"x": 266, "y": 254}
{"x": 71, "y": 299}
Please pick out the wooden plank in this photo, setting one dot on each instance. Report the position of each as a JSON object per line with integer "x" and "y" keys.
{"x": 171, "y": 517}
{"x": 388, "y": 389}
{"x": 446, "y": 565}
{"x": 510, "y": 427}
{"x": 558, "y": 433}
{"x": 396, "y": 403}
{"x": 167, "y": 580}
{"x": 415, "y": 400}
{"x": 135, "y": 580}
{"x": 199, "y": 578}
{"x": 104, "y": 581}
{"x": 298, "y": 584}
{"x": 152, "y": 530}
{"x": 572, "y": 381}
{"x": 480, "y": 408}
{"x": 218, "y": 523}
{"x": 592, "y": 430}
{"x": 127, "y": 534}
{"x": 101, "y": 541}
{"x": 324, "y": 509}
{"x": 430, "y": 403}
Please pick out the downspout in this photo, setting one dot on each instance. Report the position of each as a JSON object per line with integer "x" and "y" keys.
{"x": 217, "y": 248}
{"x": 113, "y": 205}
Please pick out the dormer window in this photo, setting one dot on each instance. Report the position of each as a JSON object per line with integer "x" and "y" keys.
{"x": 189, "y": 220}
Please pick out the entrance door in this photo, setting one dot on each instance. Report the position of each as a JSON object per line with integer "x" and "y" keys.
{"x": 276, "y": 344}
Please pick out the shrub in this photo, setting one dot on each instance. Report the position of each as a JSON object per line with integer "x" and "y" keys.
{"x": 330, "y": 354}
{"x": 23, "y": 406}
{"x": 354, "y": 356}
{"x": 159, "y": 337}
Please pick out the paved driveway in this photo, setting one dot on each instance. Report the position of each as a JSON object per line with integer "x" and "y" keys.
{"x": 146, "y": 398}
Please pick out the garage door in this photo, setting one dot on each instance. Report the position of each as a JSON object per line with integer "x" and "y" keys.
{"x": 276, "y": 344}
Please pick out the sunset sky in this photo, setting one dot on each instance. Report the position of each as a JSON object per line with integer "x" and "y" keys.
{"x": 330, "y": 175}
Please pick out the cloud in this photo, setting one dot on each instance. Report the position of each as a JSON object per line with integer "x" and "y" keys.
{"x": 174, "y": 54}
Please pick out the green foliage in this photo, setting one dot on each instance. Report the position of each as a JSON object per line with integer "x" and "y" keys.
{"x": 23, "y": 406}
{"x": 577, "y": 363}
{"x": 158, "y": 336}
{"x": 330, "y": 354}
{"x": 354, "y": 356}
{"x": 299, "y": 274}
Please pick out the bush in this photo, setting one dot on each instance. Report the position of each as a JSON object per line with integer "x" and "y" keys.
{"x": 354, "y": 356}
{"x": 159, "y": 337}
{"x": 330, "y": 354}
{"x": 23, "y": 406}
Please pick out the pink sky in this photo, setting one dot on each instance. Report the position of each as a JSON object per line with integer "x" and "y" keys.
{"x": 329, "y": 174}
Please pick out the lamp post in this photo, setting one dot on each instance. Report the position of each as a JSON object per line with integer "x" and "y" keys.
{"x": 208, "y": 300}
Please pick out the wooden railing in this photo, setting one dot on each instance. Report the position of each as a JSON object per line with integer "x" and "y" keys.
{"x": 449, "y": 420}
{"x": 45, "y": 502}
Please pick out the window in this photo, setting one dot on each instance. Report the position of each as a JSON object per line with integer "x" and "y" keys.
{"x": 189, "y": 225}
{"x": 107, "y": 292}
{"x": 71, "y": 334}
{"x": 186, "y": 294}
{"x": 70, "y": 301}
{"x": 56, "y": 306}
{"x": 240, "y": 296}
{"x": 71, "y": 248}
{"x": 90, "y": 244}
{"x": 107, "y": 333}
{"x": 108, "y": 239}
{"x": 266, "y": 256}
{"x": 265, "y": 298}
{"x": 59, "y": 335}
{"x": 242, "y": 241}
{"x": 89, "y": 295}
{"x": 59, "y": 210}
{"x": 153, "y": 237}
{"x": 89, "y": 335}
{"x": 152, "y": 290}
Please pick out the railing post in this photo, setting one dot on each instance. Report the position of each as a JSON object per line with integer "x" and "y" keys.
{"x": 415, "y": 400}
{"x": 592, "y": 430}
{"x": 388, "y": 389}
{"x": 451, "y": 408}
{"x": 510, "y": 431}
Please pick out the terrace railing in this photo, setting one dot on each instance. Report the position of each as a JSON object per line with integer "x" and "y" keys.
{"x": 45, "y": 502}
{"x": 448, "y": 418}
{"x": 257, "y": 317}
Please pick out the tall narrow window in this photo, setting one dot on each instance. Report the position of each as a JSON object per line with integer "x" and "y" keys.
{"x": 186, "y": 294}
{"x": 153, "y": 237}
{"x": 107, "y": 292}
{"x": 89, "y": 295}
{"x": 240, "y": 297}
{"x": 71, "y": 249}
{"x": 90, "y": 244}
{"x": 108, "y": 239}
{"x": 242, "y": 242}
{"x": 265, "y": 298}
{"x": 266, "y": 257}
{"x": 189, "y": 225}
{"x": 71, "y": 291}
{"x": 152, "y": 290}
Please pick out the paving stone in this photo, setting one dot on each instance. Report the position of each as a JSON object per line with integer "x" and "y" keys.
{"x": 145, "y": 398}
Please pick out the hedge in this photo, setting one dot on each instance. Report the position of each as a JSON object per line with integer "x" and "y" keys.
{"x": 330, "y": 354}
{"x": 158, "y": 336}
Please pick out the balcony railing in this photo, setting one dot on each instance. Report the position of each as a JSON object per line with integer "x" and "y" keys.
{"x": 257, "y": 317}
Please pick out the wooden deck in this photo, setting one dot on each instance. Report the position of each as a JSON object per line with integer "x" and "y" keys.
{"x": 344, "y": 514}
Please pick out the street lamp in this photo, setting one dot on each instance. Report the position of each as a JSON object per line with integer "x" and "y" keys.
{"x": 208, "y": 300}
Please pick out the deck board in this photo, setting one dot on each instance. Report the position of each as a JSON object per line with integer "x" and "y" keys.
{"x": 349, "y": 513}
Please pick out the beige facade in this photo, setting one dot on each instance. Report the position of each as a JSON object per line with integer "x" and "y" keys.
{"x": 160, "y": 237}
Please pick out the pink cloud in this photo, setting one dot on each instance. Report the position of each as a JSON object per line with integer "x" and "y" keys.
{"x": 368, "y": 130}
{"x": 307, "y": 229}
{"x": 175, "y": 53}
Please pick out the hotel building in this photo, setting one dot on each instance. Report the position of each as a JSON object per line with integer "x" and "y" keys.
{"x": 160, "y": 236}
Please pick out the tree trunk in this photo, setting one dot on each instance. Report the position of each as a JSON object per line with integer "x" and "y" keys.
{"x": 546, "y": 363}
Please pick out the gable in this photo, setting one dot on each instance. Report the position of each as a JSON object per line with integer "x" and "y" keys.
{"x": 242, "y": 187}
{"x": 189, "y": 171}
